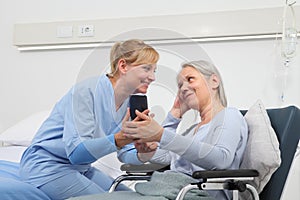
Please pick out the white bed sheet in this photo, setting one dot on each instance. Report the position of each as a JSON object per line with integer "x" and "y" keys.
{"x": 11, "y": 187}
{"x": 11, "y": 153}
{"x": 108, "y": 164}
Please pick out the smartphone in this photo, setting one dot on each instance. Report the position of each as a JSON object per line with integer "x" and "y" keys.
{"x": 137, "y": 102}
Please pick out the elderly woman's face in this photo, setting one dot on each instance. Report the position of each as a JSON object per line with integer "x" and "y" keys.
{"x": 193, "y": 88}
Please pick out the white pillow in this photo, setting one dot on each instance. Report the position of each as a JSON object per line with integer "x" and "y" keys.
{"x": 22, "y": 133}
{"x": 262, "y": 151}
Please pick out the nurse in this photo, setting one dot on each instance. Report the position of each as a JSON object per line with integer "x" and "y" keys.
{"x": 85, "y": 125}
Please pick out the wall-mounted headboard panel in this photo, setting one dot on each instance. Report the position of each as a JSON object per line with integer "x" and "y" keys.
{"x": 225, "y": 25}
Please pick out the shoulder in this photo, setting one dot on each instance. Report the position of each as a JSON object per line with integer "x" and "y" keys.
{"x": 91, "y": 85}
{"x": 230, "y": 114}
{"x": 235, "y": 116}
{"x": 233, "y": 111}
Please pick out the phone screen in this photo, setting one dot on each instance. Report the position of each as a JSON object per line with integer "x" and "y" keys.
{"x": 137, "y": 102}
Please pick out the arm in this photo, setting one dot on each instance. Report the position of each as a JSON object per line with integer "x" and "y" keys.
{"x": 128, "y": 154}
{"x": 88, "y": 150}
{"x": 161, "y": 156}
{"x": 214, "y": 149}
{"x": 148, "y": 130}
{"x": 85, "y": 131}
{"x": 171, "y": 123}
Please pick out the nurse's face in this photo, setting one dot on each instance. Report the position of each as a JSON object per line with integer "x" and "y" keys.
{"x": 139, "y": 77}
{"x": 193, "y": 88}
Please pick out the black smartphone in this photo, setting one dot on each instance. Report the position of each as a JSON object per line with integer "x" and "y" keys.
{"x": 137, "y": 102}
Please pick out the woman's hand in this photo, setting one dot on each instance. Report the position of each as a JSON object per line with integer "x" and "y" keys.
{"x": 147, "y": 130}
{"x": 145, "y": 147}
{"x": 120, "y": 139}
{"x": 145, "y": 150}
{"x": 179, "y": 108}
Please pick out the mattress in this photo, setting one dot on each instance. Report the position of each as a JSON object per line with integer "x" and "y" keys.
{"x": 11, "y": 187}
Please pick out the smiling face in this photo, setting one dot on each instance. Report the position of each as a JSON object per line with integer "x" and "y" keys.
{"x": 193, "y": 88}
{"x": 139, "y": 77}
{"x": 134, "y": 62}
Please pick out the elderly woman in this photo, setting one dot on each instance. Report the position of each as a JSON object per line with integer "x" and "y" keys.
{"x": 217, "y": 141}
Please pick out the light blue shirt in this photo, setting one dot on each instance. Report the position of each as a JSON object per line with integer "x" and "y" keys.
{"x": 79, "y": 130}
{"x": 220, "y": 144}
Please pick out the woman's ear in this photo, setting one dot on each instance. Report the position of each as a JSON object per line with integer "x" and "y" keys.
{"x": 122, "y": 66}
{"x": 214, "y": 81}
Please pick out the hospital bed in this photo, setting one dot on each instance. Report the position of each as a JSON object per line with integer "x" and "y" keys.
{"x": 14, "y": 140}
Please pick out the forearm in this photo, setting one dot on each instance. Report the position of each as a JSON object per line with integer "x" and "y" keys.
{"x": 128, "y": 154}
{"x": 144, "y": 157}
{"x": 161, "y": 156}
{"x": 100, "y": 147}
{"x": 90, "y": 150}
{"x": 81, "y": 155}
{"x": 171, "y": 122}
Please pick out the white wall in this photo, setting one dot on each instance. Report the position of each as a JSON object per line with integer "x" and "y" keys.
{"x": 34, "y": 81}
{"x": 31, "y": 81}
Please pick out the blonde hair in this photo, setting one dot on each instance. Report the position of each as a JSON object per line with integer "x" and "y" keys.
{"x": 133, "y": 51}
{"x": 208, "y": 69}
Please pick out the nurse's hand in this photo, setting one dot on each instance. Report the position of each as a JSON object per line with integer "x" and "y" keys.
{"x": 120, "y": 139}
{"x": 147, "y": 130}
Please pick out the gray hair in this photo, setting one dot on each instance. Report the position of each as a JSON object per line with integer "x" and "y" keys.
{"x": 208, "y": 69}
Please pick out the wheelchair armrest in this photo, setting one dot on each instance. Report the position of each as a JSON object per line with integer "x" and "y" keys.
{"x": 238, "y": 173}
{"x": 144, "y": 168}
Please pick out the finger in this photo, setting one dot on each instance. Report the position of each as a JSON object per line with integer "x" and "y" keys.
{"x": 129, "y": 131}
{"x": 153, "y": 146}
{"x": 130, "y": 124}
{"x": 142, "y": 116}
{"x": 137, "y": 145}
{"x": 137, "y": 118}
{"x": 141, "y": 140}
{"x": 146, "y": 112}
{"x": 127, "y": 116}
{"x": 131, "y": 136}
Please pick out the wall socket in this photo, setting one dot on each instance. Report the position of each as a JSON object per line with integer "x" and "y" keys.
{"x": 85, "y": 30}
{"x": 64, "y": 31}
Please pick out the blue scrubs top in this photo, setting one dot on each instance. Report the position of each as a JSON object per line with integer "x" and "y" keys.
{"x": 79, "y": 130}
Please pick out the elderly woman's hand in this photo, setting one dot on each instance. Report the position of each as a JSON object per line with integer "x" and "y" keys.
{"x": 179, "y": 108}
{"x": 145, "y": 150}
{"x": 147, "y": 130}
{"x": 145, "y": 147}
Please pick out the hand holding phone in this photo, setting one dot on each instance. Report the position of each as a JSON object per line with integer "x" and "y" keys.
{"x": 137, "y": 102}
